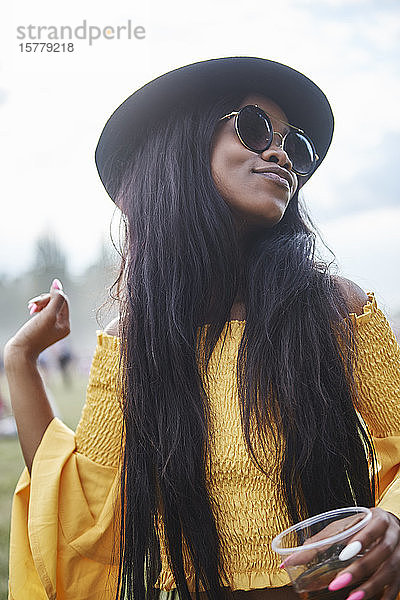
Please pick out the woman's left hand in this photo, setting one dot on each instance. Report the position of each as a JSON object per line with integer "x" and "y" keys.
{"x": 381, "y": 564}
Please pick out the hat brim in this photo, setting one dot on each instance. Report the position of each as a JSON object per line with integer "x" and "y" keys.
{"x": 304, "y": 103}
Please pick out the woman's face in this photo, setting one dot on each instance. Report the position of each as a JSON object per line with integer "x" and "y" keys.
{"x": 255, "y": 199}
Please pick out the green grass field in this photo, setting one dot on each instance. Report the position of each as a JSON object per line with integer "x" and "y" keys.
{"x": 69, "y": 402}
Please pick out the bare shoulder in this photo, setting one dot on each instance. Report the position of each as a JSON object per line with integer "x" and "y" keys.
{"x": 355, "y": 296}
{"x": 112, "y": 327}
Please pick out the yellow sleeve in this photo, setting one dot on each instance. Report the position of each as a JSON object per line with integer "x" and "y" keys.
{"x": 64, "y": 516}
{"x": 377, "y": 374}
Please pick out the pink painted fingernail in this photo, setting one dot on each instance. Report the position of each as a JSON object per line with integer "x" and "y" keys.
{"x": 33, "y": 308}
{"x": 356, "y": 596}
{"x": 340, "y": 582}
{"x": 283, "y": 563}
{"x": 57, "y": 284}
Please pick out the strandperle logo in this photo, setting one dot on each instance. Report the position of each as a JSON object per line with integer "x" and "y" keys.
{"x": 89, "y": 33}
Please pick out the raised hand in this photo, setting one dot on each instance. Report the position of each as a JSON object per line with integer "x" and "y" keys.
{"x": 49, "y": 324}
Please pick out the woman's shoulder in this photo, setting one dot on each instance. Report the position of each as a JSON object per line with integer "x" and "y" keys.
{"x": 356, "y": 298}
{"x": 113, "y": 327}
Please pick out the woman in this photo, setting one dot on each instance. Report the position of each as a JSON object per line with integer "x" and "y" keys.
{"x": 256, "y": 386}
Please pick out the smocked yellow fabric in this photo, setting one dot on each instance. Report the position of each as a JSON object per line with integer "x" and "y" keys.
{"x": 64, "y": 515}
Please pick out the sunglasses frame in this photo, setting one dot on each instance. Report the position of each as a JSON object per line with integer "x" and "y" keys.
{"x": 268, "y": 117}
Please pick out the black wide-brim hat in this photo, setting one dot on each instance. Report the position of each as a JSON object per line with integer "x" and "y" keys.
{"x": 304, "y": 103}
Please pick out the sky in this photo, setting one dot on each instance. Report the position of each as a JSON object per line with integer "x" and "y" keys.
{"x": 53, "y": 107}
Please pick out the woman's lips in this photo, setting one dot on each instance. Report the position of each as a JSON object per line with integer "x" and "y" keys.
{"x": 277, "y": 179}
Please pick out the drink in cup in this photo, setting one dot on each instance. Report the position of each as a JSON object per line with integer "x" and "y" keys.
{"x": 314, "y": 551}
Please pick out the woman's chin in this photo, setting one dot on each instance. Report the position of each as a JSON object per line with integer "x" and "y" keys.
{"x": 271, "y": 215}
{"x": 275, "y": 210}
{"x": 263, "y": 213}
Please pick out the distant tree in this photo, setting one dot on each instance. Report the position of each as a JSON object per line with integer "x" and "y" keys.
{"x": 49, "y": 255}
{"x": 49, "y": 261}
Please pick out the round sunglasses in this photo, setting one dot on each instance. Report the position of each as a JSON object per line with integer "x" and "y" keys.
{"x": 254, "y": 129}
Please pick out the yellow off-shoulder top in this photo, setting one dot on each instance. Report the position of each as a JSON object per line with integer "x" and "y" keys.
{"x": 63, "y": 516}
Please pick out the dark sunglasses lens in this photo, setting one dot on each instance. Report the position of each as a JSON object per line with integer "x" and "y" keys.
{"x": 300, "y": 151}
{"x": 254, "y": 128}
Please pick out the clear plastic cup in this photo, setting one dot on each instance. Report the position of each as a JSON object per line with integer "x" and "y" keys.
{"x": 313, "y": 551}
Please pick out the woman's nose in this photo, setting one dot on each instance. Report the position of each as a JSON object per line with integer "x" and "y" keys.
{"x": 275, "y": 153}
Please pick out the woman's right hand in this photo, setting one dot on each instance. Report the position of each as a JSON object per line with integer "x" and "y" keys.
{"x": 49, "y": 324}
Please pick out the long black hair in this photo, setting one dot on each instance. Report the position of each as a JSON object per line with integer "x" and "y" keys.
{"x": 183, "y": 263}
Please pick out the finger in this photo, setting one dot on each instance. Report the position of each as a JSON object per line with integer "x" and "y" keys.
{"x": 373, "y": 531}
{"x": 63, "y": 313}
{"x": 37, "y": 306}
{"x": 336, "y": 527}
{"x": 59, "y": 304}
{"x": 40, "y": 298}
{"x": 57, "y": 300}
{"x": 33, "y": 308}
{"x": 371, "y": 561}
{"x": 301, "y": 557}
{"x": 386, "y": 575}
{"x": 377, "y": 562}
{"x": 333, "y": 528}
{"x": 391, "y": 592}
{"x": 56, "y": 283}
